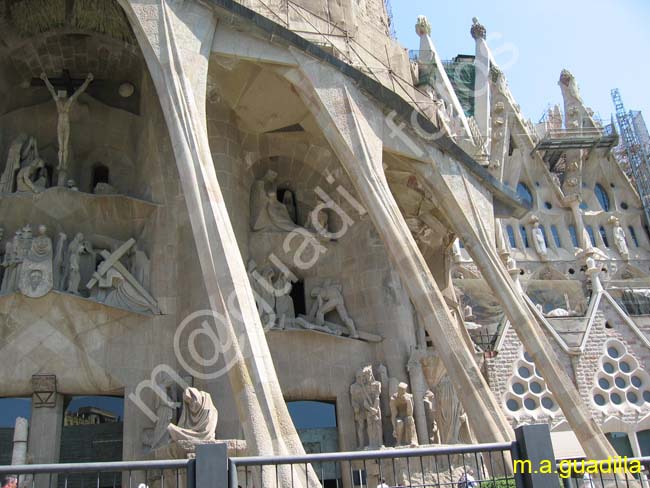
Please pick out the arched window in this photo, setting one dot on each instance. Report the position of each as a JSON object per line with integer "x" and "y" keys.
{"x": 524, "y": 193}
{"x": 556, "y": 236}
{"x": 511, "y": 237}
{"x": 574, "y": 235}
{"x": 524, "y": 235}
{"x": 584, "y": 206}
{"x": 592, "y": 237}
{"x": 633, "y": 234}
{"x": 602, "y": 196}
{"x": 603, "y": 234}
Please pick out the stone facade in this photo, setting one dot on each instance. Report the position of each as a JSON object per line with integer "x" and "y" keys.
{"x": 269, "y": 189}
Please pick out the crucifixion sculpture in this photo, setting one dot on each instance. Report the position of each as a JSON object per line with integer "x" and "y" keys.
{"x": 63, "y": 106}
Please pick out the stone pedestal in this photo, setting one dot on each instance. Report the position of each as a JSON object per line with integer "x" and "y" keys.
{"x": 187, "y": 450}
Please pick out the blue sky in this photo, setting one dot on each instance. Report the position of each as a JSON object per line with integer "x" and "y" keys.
{"x": 603, "y": 43}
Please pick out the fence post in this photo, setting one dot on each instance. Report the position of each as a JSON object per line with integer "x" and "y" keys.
{"x": 211, "y": 467}
{"x": 534, "y": 445}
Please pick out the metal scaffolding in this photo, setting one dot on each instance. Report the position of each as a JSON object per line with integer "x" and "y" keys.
{"x": 636, "y": 153}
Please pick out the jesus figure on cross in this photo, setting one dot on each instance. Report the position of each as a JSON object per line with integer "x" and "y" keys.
{"x": 63, "y": 107}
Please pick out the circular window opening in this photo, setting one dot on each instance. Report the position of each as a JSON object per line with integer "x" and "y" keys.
{"x": 616, "y": 398}
{"x": 624, "y": 205}
{"x": 572, "y": 271}
{"x": 608, "y": 325}
{"x": 548, "y": 205}
{"x": 604, "y": 383}
{"x": 513, "y": 405}
{"x": 620, "y": 382}
{"x": 646, "y": 396}
{"x": 613, "y": 352}
{"x": 599, "y": 399}
{"x": 612, "y": 185}
{"x": 631, "y": 397}
{"x": 527, "y": 357}
{"x": 518, "y": 388}
{"x": 521, "y": 271}
{"x": 524, "y": 372}
{"x": 608, "y": 367}
{"x": 530, "y": 404}
{"x": 625, "y": 367}
{"x": 547, "y": 403}
{"x": 636, "y": 381}
{"x": 535, "y": 387}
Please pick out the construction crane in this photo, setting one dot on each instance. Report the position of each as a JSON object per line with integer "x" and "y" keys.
{"x": 636, "y": 154}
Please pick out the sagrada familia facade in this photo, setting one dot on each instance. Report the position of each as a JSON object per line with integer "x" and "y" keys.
{"x": 235, "y": 205}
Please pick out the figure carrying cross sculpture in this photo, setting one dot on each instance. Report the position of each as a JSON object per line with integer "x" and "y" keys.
{"x": 63, "y": 107}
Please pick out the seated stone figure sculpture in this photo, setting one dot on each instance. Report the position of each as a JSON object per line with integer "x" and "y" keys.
{"x": 267, "y": 213}
{"x": 198, "y": 420}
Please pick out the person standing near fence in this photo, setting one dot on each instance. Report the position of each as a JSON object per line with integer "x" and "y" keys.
{"x": 467, "y": 480}
{"x": 9, "y": 482}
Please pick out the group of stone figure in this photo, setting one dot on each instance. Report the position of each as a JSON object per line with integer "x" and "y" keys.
{"x": 539, "y": 240}
{"x": 33, "y": 266}
{"x": 272, "y": 290}
{"x": 365, "y": 394}
{"x": 446, "y": 418}
{"x": 25, "y": 170}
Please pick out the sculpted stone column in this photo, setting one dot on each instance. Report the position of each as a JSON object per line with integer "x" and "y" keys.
{"x": 46, "y": 425}
{"x": 449, "y": 182}
{"x": 19, "y": 453}
{"x": 418, "y": 388}
{"x": 176, "y": 38}
{"x": 353, "y": 128}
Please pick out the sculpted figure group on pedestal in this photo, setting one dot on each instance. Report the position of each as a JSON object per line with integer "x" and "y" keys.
{"x": 366, "y": 396}
{"x": 272, "y": 290}
{"x": 33, "y": 266}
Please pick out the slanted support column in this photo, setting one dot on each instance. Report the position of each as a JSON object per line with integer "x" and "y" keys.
{"x": 352, "y": 126}
{"x": 451, "y": 185}
{"x": 176, "y": 39}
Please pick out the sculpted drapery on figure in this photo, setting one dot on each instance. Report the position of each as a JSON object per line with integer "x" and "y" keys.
{"x": 75, "y": 249}
{"x": 23, "y": 151}
{"x": 365, "y": 395}
{"x": 64, "y": 107}
{"x": 448, "y": 415}
{"x": 267, "y": 213}
{"x": 538, "y": 239}
{"x": 166, "y": 407}
{"x": 31, "y": 178}
{"x": 198, "y": 420}
{"x": 619, "y": 238}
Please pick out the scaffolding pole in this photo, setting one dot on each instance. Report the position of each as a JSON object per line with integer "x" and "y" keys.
{"x": 636, "y": 154}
